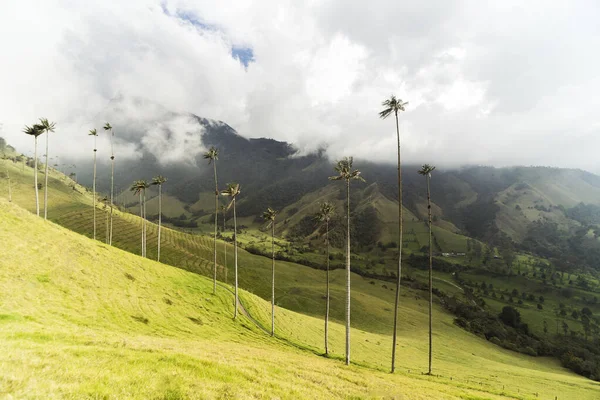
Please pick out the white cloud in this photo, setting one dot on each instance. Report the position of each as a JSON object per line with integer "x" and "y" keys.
{"x": 495, "y": 83}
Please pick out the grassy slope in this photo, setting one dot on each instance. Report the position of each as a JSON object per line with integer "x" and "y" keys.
{"x": 79, "y": 319}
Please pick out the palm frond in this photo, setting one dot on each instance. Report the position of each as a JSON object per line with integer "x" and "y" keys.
{"x": 34, "y": 130}
{"x": 107, "y": 127}
{"x": 93, "y": 132}
{"x": 158, "y": 180}
{"x": 212, "y": 154}
{"x": 269, "y": 215}
{"x": 426, "y": 169}
{"x": 47, "y": 125}
{"x": 392, "y": 105}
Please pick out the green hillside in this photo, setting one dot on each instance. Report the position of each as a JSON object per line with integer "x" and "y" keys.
{"x": 79, "y": 319}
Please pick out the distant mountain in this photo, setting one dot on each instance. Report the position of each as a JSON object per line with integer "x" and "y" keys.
{"x": 496, "y": 205}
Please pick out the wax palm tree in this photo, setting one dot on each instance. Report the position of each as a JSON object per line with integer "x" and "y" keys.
{"x": 35, "y": 131}
{"x": 233, "y": 190}
{"x": 426, "y": 170}
{"x": 137, "y": 188}
{"x": 144, "y": 185}
{"x": 159, "y": 180}
{"x": 94, "y": 133}
{"x": 269, "y": 215}
{"x": 346, "y": 173}
{"x": 224, "y": 211}
{"x": 212, "y": 155}
{"x": 392, "y": 106}
{"x": 325, "y": 214}
{"x": 108, "y": 127}
{"x": 48, "y": 127}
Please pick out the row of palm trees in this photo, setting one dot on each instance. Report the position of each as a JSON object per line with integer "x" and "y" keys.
{"x": 345, "y": 172}
{"x": 139, "y": 188}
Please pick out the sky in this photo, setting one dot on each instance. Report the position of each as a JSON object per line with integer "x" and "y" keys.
{"x": 494, "y": 83}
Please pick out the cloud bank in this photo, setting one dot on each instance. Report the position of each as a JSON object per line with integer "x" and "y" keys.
{"x": 503, "y": 83}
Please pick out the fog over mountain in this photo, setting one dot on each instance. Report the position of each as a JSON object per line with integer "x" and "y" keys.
{"x": 497, "y": 84}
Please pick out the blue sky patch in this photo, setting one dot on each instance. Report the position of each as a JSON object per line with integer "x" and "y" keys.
{"x": 244, "y": 55}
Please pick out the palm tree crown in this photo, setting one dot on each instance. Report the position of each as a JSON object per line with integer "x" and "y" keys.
{"x": 34, "y": 130}
{"x": 47, "y": 125}
{"x": 233, "y": 189}
{"x": 107, "y": 127}
{"x": 344, "y": 168}
{"x": 392, "y": 105}
{"x": 426, "y": 169}
{"x": 158, "y": 180}
{"x": 93, "y": 132}
{"x": 269, "y": 215}
{"x": 326, "y": 212}
{"x": 212, "y": 154}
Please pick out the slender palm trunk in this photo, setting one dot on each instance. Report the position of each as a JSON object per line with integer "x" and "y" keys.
{"x": 106, "y": 212}
{"x": 9, "y": 192}
{"x": 399, "y": 273}
{"x": 142, "y": 218}
{"x": 46, "y": 180}
{"x": 112, "y": 186}
{"x": 215, "y": 238}
{"x": 273, "y": 278}
{"x": 145, "y": 225}
{"x": 159, "y": 218}
{"x": 430, "y": 271}
{"x": 235, "y": 259}
{"x": 224, "y": 248}
{"x": 94, "y": 188}
{"x": 348, "y": 273}
{"x": 327, "y": 294}
{"x": 35, "y": 178}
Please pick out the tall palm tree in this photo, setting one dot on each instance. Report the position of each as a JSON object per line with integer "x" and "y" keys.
{"x": 344, "y": 169}
{"x": 137, "y": 188}
{"x": 48, "y": 127}
{"x": 426, "y": 170}
{"x": 325, "y": 214}
{"x": 159, "y": 180}
{"x": 108, "y": 127}
{"x": 94, "y": 133}
{"x": 233, "y": 190}
{"x": 393, "y": 105}
{"x": 35, "y": 131}
{"x": 224, "y": 211}
{"x": 212, "y": 155}
{"x": 144, "y": 185}
{"x": 269, "y": 215}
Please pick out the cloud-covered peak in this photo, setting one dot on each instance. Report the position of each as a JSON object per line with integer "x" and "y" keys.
{"x": 502, "y": 83}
